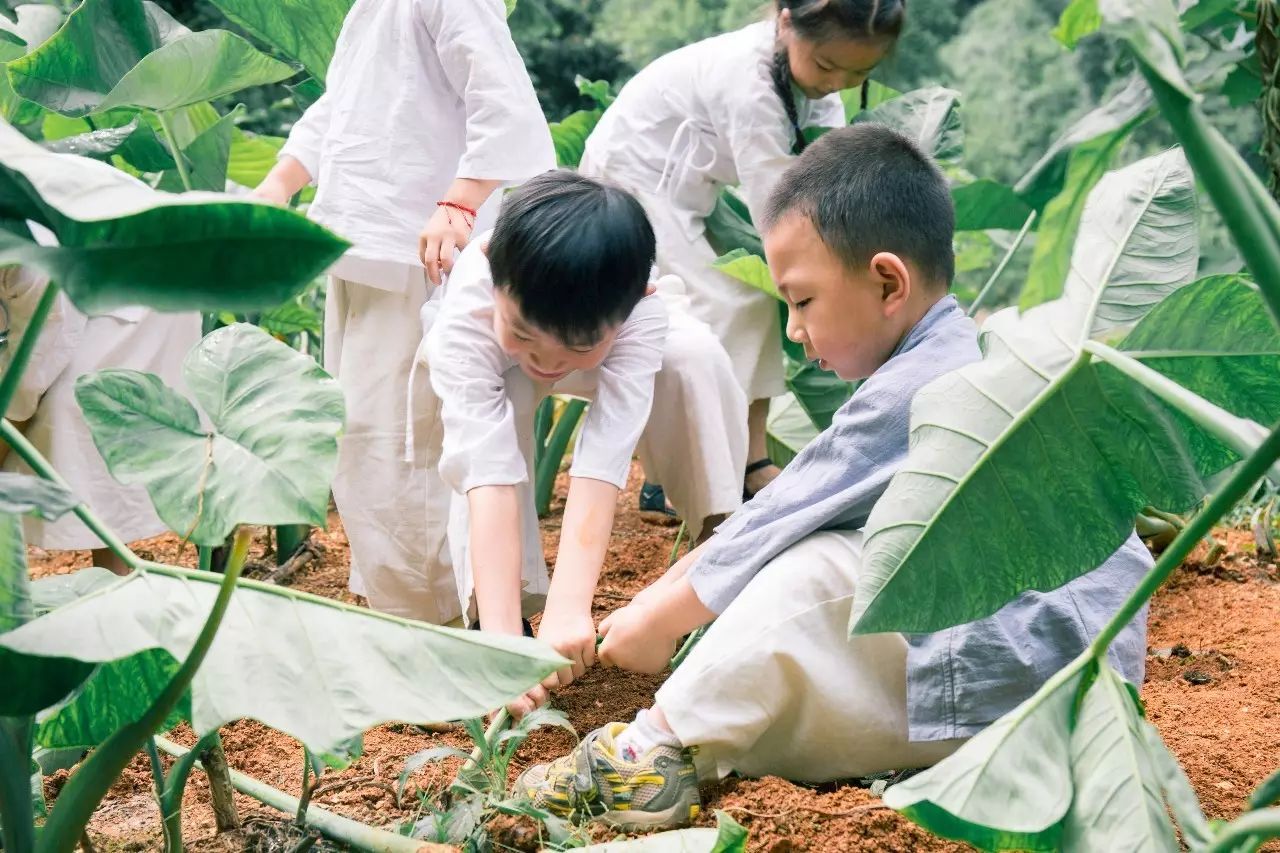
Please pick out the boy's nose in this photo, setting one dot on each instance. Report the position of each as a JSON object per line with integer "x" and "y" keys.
{"x": 795, "y": 332}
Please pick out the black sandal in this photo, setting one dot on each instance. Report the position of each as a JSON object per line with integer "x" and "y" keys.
{"x": 759, "y": 464}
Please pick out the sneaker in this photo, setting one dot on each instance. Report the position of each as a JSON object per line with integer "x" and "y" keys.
{"x": 658, "y": 790}
{"x": 654, "y": 499}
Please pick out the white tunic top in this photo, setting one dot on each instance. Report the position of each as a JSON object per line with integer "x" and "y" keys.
{"x": 473, "y": 377}
{"x": 419, "y": 92}
{"x": 704, "y": 117}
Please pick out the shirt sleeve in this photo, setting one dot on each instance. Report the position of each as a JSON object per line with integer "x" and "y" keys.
{"x": 507, "y": 137}
{"x": 834, "y": 482}
{"x": 624, "y": 396}
{"x": 755, "y": 124}
{"x": 307, "y": 136}
{"x": 481, "y": 445}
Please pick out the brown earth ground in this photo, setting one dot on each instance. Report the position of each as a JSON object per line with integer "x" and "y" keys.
{"x": 1212, "y": 689}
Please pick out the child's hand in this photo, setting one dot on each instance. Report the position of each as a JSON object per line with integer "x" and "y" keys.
{"x": 572, "y": 634}
{"x": 446, "y": 231}
{"x": 272, "y": 191}
{"x": 631, "y": 641}
{"x": 535, "y": 698}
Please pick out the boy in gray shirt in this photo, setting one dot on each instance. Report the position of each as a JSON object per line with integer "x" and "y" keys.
{"x": 858, "y": 234}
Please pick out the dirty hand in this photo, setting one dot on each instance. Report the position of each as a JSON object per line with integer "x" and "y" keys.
{"x": 572, "y": 633}
{"x": 447, "y": 230}
{"x": 631, "y": 641}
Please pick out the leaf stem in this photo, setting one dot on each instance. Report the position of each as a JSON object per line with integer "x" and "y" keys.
{"x": 90, "y": 783}
{"x": 24, "y": 448}
{"x": 1239, "y": 434}
{"x": 26, "y": 346}
{"x": 1201, "y": 523}
{"x": 1004, "y": 262}
{"x": 1262, "y": 824}
{"x": 178, "y": 159}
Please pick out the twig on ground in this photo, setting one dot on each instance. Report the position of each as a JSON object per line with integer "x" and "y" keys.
{"x": 359, "y": 782}
{"x": 306, "y": 552}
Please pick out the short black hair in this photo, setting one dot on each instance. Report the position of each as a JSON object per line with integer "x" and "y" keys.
{"x": 574, "y": 253}
{"x": 868, "y": 189}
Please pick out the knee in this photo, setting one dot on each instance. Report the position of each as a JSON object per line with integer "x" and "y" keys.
{"x": 694, "y": 355}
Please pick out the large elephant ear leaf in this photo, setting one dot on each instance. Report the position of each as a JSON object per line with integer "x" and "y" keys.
{"x": 268, "y": 458}
{"x": 930, "y": 117}
{"x": 978, "y": 461}
{"x": 123, "y": 53}
{"x": 304, "y": 30}
{"x": 303, "y": 683}
{"x": 120, "y": 242}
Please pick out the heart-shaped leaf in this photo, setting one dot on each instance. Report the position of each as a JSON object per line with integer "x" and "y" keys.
{"x": 930, "y": 117}
{"x": 21, "y": 494}
{"x": 123, "y": 243}
{"x": 275, "y": 659}
{"x": 305, "y": 30}
{"x": 271, "y": 452}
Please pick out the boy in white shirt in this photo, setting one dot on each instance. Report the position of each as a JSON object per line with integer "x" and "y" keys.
{"x": 428, "y": 110}
{"x": 558, "y": 300}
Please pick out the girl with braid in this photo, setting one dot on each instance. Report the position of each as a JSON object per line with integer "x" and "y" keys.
{"x": 732, "y": 110}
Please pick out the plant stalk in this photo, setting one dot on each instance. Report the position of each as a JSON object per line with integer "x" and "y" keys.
{"x": 689, "y": 643}
{"x": 1239, "y": 434}
{"x": 26, "y": 346}
{"x": 558, "y": 442}
{"x": 340, "y": 829}
{"x": 1200, "y": 524}
{"x": 170, "y": 824}
{"x": 17, "y": 830}
{"x": 1246, "y": 208}
{"x": 24, "y": 448}
{"x": 1258, "y": 825}
{"x": 221, "y": 793}
{"x": 1004, "y": 262}
{"x": 179, "y": 161}
{"x": 675, "y": 548}
{"x": 90, "y": 783}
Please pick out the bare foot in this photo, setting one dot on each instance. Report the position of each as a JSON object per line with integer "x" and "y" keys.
{"x": 758, "y": 479}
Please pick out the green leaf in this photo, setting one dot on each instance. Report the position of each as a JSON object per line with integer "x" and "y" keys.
{"x": 1243, "y": 85}
{"x": 115, "y": 695}
{"x": 979, "y": 457}
{"x": 819, "y": 392}
{"x": 290, "y": 319}
{"x": 421, "y": 759}
{"x": 118, "y": 53}
{"x": 15, "y": 594}
{"x": 729, "y": 226}
{"x": 1210, "y": 12}
{"x": 34, "y": 23}
{"x": 1118, "y": 803}
{"x": 930, "y": 117}
{"x": 749, "y": 269}
{"x": 597, "y": 90}
{"x": 877, "y": 94}
{"x": 121, "y": 242}
{"x": 21, "y": 494}
{"x": 790, "y": 429}
{"x": 303, "y": 30}
{"x": 207, "y": 156}
{"x": 251, "y": 157}
{"x": 1231, "y": 361}
{"x": 731, "y": 836}
{"x": 1154, "y": 31}
{"x": 1008, "y": 787}
{"x": 1267, "y": 794}
{"x": 302, "y": 682}
{"x": 16, "y": 790}
{"x": 1177, "y": 790}
{"x": 1079, "y": 19}
{"x": 1051, "y": 258}
{"x": 136, "y": 142}
{"x": 986, "y": 204}
{"x": 54, "y": 591}
{"x": 570, "y": 136}
{"x": 306, "y": 93}
{"x": 271, "y": 453}
{"x": 1120, "y": 114}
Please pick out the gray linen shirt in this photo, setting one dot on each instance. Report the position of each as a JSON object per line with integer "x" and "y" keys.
{"x": 962, "y": 679}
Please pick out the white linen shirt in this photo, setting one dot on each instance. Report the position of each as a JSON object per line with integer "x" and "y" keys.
{"x": 419, "y": 92}
{"x": 473, "y": 378}
{"x": 704, "y": 117}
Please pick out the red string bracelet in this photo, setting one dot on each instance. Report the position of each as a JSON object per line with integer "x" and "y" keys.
{"x": 462, "y": 207}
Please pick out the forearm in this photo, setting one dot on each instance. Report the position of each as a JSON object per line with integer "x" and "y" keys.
{"x": 470, "y": 192}
{"x": 677, "y": 610}
{"x": 287, "y": 176}
{"x": 496, "y": 556}
{"x": 584, "y": 539}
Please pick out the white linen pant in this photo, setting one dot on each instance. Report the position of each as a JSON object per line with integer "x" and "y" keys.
{"x": 407, "y": 529}
{"x": 777, "y": 686}
{"x": 70, "y": 346}
{"x": 744, "y": 319}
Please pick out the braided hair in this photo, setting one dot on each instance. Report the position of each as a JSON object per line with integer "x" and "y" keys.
{"x": 818, "y": 20}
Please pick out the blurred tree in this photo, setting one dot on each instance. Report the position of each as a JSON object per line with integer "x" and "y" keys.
{"x": 559, "y": 40}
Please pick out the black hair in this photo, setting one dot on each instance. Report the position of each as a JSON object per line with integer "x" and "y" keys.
{"x": 819, "y": 20}
{"x": 868, "y": 189}
{"x": 573, "y": 253}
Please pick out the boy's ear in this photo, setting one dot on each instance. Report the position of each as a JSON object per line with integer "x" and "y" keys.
{"x": 894, "y": 278}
